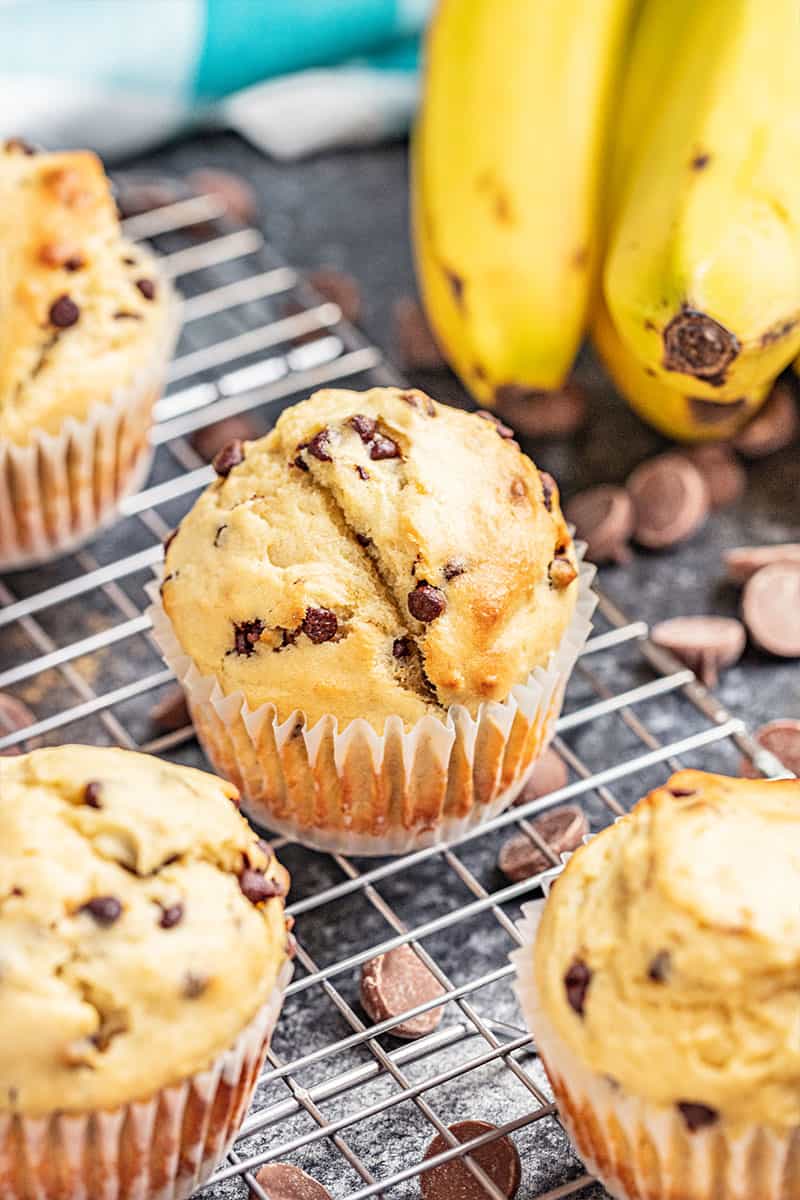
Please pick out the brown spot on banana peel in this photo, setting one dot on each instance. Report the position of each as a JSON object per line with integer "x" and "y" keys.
{"x": 715, "y": 412}
{"x": 700, "y": 161}
{"x": 580, "y": 258}
{"x": 456, "y": 284}
{"x": 695, "y": 344}
{"x": 778, "y": 332}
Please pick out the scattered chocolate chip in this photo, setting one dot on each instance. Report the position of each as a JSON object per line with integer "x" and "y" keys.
{"x": 382, "y": 447}
{"x": 288, "y": 638}
{"x": 60, "y": 254}
{"x": 576, "y": 983}
{"x": 706, "y": 644}
{"x": 561, "y": 572}
{"x": 171, "y": 916}
{"x": 416, "y": 345}
{"x": 364, "y": 426}
{"x": 426, "y": 602}
{"x": 298, "y": 462}
{"x": 194, "y": 985}
{"x": 282, "y": 1181}
{"x": 393, "y": 983}
{"x": 563, "y": 829}
{"x": 64, "y": 312}
{"x": 19, "y": 145}
{"x": 453, "y": 568}
{"x": 121, "y": 315}
{"x": 774, "y": 426}
{"x": 670, "y": 500}
{"x": 320, "y": 625}
{"x": 212, "y": 438}
{"x": 170, "y": 712}
{"x": 660, "y": 966}
{"x": 217, "y": 536}
{"x": 504, "y": 431}
{"x": 147, "y": 287}
{"x": 320, "y": 446}
{"x": 257, "y": 887}
{"x": 781, "y": 738}
{"x": 14, "y": 715}
{"x": 363, "y": 540}
{"x": 92, "y": 794}
{"x": 362, "y": 472}
{"x": 549, "y": 488}
{"x": 771, "y": 609}
{"x": 74, "y": 263}
{"x": 697, "y": 1116}
{"x": 603, "y": 518}
{"x": 744, "y": 561}
{"x": 726, "y": 478}
{"x": 228, "y": 457}
{"x": 557, "y": 414}
{"x": 245, "y": 636}
{"x": 680, "y": 793}
{"x": 233, "y": 192}
{"x": 454, "y": 1181}
{"x": 340, "y": 289}
{"x": 548, "y": 775}
{"x": 105, "y": 909}
{"x": 402, "y": 647}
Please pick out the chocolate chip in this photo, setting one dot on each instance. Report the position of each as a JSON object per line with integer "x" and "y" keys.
{"x": 382, "y": 447}
{"x": 218, "y": 534}
{"x": 563, "y": 829}
{"x": 396, "y": 981}
{"x": 320, "y": 625}
{"x": 660, "y": 966}
{"x": 679, "y": 793}
{"x": 121, "y": 315}
{"x": 453, "y": 568}
{"x": 548, "y": 775}
{"x": 74, "y": 263}
{"x": 298, "y": 462}
{"x": 171, "y": 916}
{"x": 92, "y": 793}
{"x": 402, "y": 647}
{"x": 603, "y": 518}
{"x": 170, "y": 712}
{"x": 744, "y": 561}
{"x": 452, "y": 1180}
{"x": 725, "y": 477}
{"x": 228, "y": 457}
{"x": 576, "y": 983}
{"x": 105, "y": 909}
{"x": 697, "y": 1116}
{"x": 257, "y": 887}
{"x": 426, "y": 603}
{"x": 212, "y": 438}
{"x": 340, "y": 289}
{"x": 774, "y": 426}
{"x": 60, "y": 254}
{"x": 245, "y": 636}
{"x": 282, "y": 1181}
{"x": 771, "y": 609}
{"x": 234, "y": 193}
{"x": 416, "y": 345}
{"x": 363, "y": 540}
{"x": 415, "y": 398}
{"x": 781, "y": 738}
{"x": 364, "y": 426}
{"x": 320, "y": 446}
{"x": 64, "y": 312}
{"x": 535, "y": 414}
{"x": 706, "y": 644}
{"x": 14, "y": 715}
{"x": 19, "y": 145}
{"x": 670, "y": 499}
{"x": 194, "y": 985}
{"x": 362, "y": 472}
{"x": 147, "y": 287}
{"x": 548, "y": 489}
{"x": 561, "y": 572}
{"x": 288, "y": 638}
{"x": 504, "y": 431}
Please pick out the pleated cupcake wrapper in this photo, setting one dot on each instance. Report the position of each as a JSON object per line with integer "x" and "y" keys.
{"x": 638, "y": 1149}
{"x": 60, "y": 489}
{"x": 355, "y": 791}
{"x": 163, "y": 1148}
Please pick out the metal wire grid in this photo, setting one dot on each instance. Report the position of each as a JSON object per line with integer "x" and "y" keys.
{"x": 255, "y": 337}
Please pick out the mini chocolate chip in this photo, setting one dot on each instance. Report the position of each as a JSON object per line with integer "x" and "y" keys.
{"x": 505, "y": 431}
{"x": 426, "y": 603}
{"x": 363, "y": 540}
{"x": 64, "y": 312}
{"x": 228, "y": 457}
{"x": 561, "y": 572}
{"x": 364, "y": 426}
{"x": 680, "y": 792}
{"x": 121, "y": 315}
{"x": 129, "y": 261}
{"x": 382, "y": 447}
{"x": 92, "y": 793}
{"x": 453, "y": 568}
{"x": 171, "y": 916}
{"x": 576, "y": 983}
{"x": 319, "y": 446}
{"x": 220, "y": 530}
{"x": 697, "y": 1116}
{"x": 298, "y": 462}
{"x": 147, "y": 287}
{"x": 74, "y": 263}
{"x": 288, "y": 638}
{"x": 245, "y": 636}
{"x": 548, "y": 489}
{"x": 257, "y": 887}
{"x": 320, "y": 625}
{"x": 194, "y": 985}
{"x": 362, "y": 472}
{"x": 660, "y": 967}
{"x": 401, "y": 647}
{"x": 105, "y": 909}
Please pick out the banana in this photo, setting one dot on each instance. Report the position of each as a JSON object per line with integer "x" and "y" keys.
{"x": 702, "y": 277}
{"x": 506, "y": 180}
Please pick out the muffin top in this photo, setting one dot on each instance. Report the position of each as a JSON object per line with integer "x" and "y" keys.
{"x": 82, "y": 307}
{"x": 141, "y": 926}
{"x": 376, "y": 554}
{"x": 668, "y": 957}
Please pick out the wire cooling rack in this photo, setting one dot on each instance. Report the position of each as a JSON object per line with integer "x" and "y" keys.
{"x": 340, "y": 1097}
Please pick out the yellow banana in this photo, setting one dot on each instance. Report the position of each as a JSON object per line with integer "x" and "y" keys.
{"x": 702, "y": 278}
{"x": 506, "y": 179}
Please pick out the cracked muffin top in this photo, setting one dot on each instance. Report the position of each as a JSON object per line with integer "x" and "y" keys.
{"x": 82, "y": 307}
{"x": 141, "y": 926}
{"x": 376, "y": 554}
{"x": 668, "y": 955}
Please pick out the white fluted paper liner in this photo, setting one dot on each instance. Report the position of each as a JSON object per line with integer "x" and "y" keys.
{"x": 355, "y": 791}
{"x": 60, "y": 489}
{"x": 162, "y": 1148}
{"x": 638, "y": 1149}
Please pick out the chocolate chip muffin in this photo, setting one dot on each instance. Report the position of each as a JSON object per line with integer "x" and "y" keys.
{"x": 143, "y": 954}
{"x": 379, "y": 567}
{"x": 663, "y": 992}
{"x": 88, "y": 322}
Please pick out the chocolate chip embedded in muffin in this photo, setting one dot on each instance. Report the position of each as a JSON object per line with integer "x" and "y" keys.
{"x": 64, "y": 312}
{"x": 320, "y": 625}
{"x": 228, "y": 457}
{"x": 548, "y": 489}
{"x": 697, "y": 1116}
{"x": 364, "y": 426}
{"x": 426, "y": 602}
{"x": 660, "y": 966}
{"x": 576, "y": 985}
{"x": 320, "y": 446}
{"x": 245, "y": 636}
{"x": 257, "y": 887}
{"x": 92, "y": 794}
{"x": 147, "y": 287}
{"x": 171, "y": 916}
{"x": 105, "y": 909}
{"x": 402, "y": 647}
{"x": 453, "y": 568}
{"x": 383, "y": 447}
